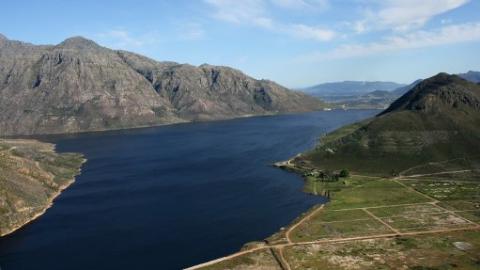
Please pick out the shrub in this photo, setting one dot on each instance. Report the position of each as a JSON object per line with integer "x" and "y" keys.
{"x": 344, "y": 173}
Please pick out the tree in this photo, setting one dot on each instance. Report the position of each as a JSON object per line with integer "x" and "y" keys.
{"x": 344, "y": 173}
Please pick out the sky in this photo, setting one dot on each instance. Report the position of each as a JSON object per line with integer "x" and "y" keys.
{"x": 297, "y": 43}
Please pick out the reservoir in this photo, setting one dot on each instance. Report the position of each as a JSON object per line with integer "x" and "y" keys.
{"x": 173, "y": 196}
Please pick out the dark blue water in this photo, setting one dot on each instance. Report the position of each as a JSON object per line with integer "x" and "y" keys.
{"x": 172, "y": 196}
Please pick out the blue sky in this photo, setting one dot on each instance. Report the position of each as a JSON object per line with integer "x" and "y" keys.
{"x": 294, "y": 42}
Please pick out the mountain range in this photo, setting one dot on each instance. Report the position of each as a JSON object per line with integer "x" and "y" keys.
{"x": 350, "y": 88}
{"x": 473, "y": 76}
{"x": 79, "y": 86}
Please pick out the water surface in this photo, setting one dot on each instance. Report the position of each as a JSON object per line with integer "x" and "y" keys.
{"x": 172, "y": 196}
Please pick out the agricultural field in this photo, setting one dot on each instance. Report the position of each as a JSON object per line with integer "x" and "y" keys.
{"x": 377, "y": 223}
{"x": 412, "y": 200}
{"x": 457, "y": 250}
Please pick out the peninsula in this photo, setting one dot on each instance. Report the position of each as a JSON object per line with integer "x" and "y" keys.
{"x": 32, "y": 176}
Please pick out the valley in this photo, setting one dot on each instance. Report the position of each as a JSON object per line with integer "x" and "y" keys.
{"x": 240, "y": 135}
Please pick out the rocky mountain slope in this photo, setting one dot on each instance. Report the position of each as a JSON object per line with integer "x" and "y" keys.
{"x": 438, "y": 120}
{"x": 31, "y": 176}
{"x": 78, "y": 86}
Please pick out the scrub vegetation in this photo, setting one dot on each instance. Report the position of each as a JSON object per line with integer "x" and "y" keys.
{"x": 32, "y": 174}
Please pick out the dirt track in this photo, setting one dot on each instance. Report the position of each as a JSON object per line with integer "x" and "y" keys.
{"x": 396, "y": 233}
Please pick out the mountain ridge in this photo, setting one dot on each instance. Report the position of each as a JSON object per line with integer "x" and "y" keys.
{"x": 473, "y": 76}
{"x": 78, "y": 85}
{"x": 420, "y": 97}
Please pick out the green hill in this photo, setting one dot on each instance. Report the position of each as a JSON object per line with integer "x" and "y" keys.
{"x": 438, "y": 120}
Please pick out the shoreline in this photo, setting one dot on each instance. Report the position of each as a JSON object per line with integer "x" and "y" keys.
{"x": 259, "y": 244}
{"x": 49, "y": 203}
{"x": 282, "y": 239}
{"x": 282, "y": 165}
{"x": 243, "y": 116}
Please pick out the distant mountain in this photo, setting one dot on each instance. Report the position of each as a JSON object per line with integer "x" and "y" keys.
{"x": 380, "y": 99}
{"x": 346, "y": 88}
{"x": 437, "y": 120}
{"x": 355, "y": 94}
{"x": 473, "y": 76}
{"x": 404, "y": 89}
{"x": 78, "y": 86}
{"x": 375, "y": 100}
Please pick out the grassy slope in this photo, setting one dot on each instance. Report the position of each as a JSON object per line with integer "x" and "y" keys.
{"x": 32, "y": 175}
{"x": 438, "y": 120}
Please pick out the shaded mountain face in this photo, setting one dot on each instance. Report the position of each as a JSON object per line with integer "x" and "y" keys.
{"x": 438, "y": 120}
{"x": 79, "y": 86}
{"x": 442, "y": 92}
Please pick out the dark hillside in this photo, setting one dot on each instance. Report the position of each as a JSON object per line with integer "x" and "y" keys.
{"x": 437, "y": 120}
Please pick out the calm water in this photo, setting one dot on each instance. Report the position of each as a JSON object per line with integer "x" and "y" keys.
{"x": 172, "y": 196}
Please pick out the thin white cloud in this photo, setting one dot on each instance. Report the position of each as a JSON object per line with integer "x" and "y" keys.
{"x": 254, "y": 13}
{"x": 191, "y": 31}
{"x": 450, "y": 34}
{"x": 240, "y": 12}
{"x": 402, "y": 15}
{"x": 302, "y": 4}
{"x": 308, "y": 32}
{"x": 122, "y": 39}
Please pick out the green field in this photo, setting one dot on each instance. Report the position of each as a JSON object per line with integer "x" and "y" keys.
{"x": 367, "y": 207}
{"x": 313, "y": 230}
{"x": 366, "y": 192}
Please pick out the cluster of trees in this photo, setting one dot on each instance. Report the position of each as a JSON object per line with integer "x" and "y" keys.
{"x": 329, "y": 176}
